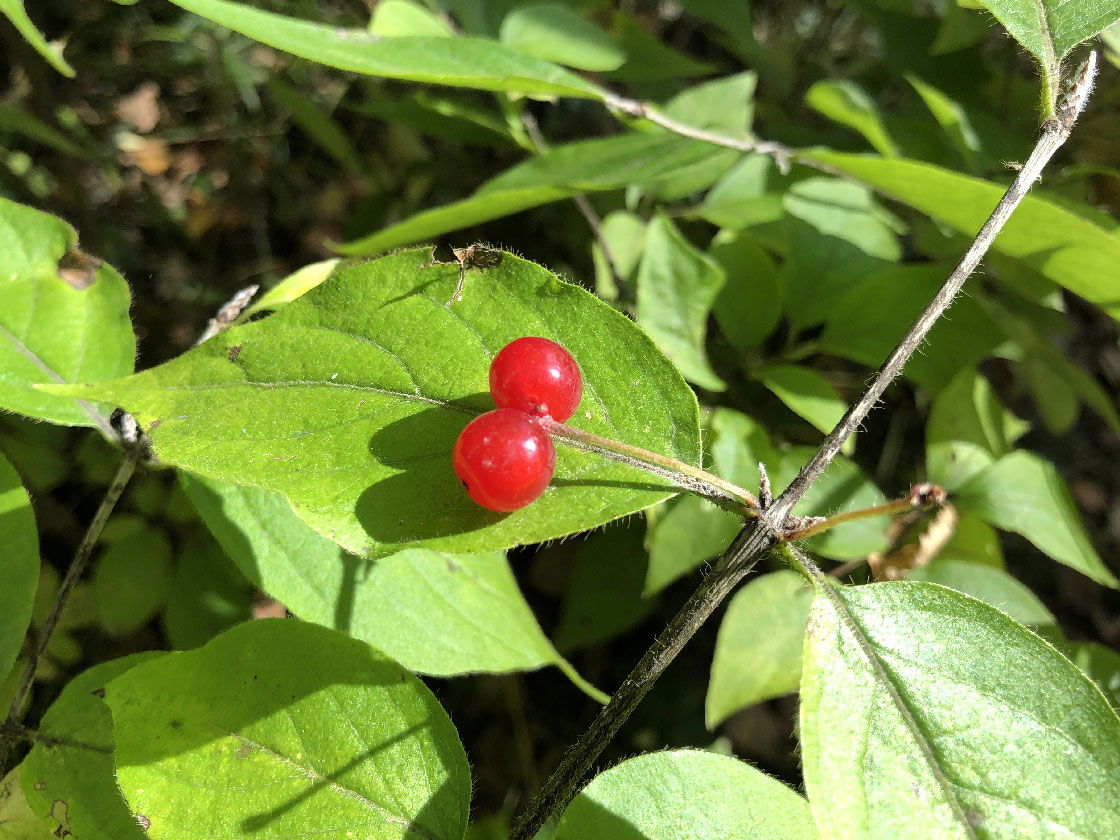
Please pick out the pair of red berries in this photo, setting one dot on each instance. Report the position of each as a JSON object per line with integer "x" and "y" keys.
{"x": 505, "y": 458}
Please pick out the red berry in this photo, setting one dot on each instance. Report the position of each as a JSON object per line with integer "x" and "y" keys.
{"x": 504, "y": 459}
{"x": 536, "y": 376}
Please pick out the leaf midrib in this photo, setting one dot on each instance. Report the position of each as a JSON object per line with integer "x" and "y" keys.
{"x": 312, "y": 775}
{"x": 908, "y": 719}
{"x": 29, "y": 354}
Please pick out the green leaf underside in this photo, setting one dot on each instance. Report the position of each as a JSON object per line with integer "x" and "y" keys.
{"x": 677, "y": 285}
{"x": 50, "y": 331}
{"x": 1049, "y": 29}
{"x": 433, "y": 612}
{"x": 279, "y": 728}
{"x": 19, "y": 564}
{"x": 1023, "y": 493}
{"x": 611, "y": 163}
{"x": 928, "y": 714}
{"x": 685, "y": 795}
{"x": 349, "y": 400}
{"x": 1064, "y": 247}
{"x": 758, "y": 651}
{"x": 461, "y": 62}
{"x": 79, "y": 774}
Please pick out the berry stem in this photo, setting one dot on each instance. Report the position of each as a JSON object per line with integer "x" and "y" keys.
{"x": 695, "y": 480}
{"x": 920, "y": 496}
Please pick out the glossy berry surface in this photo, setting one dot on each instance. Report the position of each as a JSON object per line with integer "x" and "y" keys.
{"x": 536, "y": 376}
{"x": 504, "y": 459}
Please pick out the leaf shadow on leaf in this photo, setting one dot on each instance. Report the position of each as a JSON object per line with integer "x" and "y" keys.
{"x": 238, "y": 548}
{"x": 246, "y": 693}
{"x": 423, "y": 500}
{"x": 259, "y": 822}
{"x": 586, "y": 816}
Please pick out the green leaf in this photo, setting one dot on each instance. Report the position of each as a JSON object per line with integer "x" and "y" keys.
{"x": 433, "y": 612}
{"x": 316, "y": 124}
{"x": 677, "y": 284}
{"x": 295, "y": 285}
{"x": 758, "y": 650}
{"x": 806, "y": 393}
{"x": 72, "y": 778}
{"x": 1042, "y": 354}
{"x": 749, "y": 305}
{"x": 843, "y": 487}
{"x": 845, "y": 102}
{"x": 604, "y": 595}
{"x": 725, "y": 105}
{"x": 609, "y": 164}
{"x": 952, "y": 118}
{"x": 57, "y": 330}
{"x": 845, "y": 211}
{"x": 132, "y": 579}
{"x": 689, "y": 532}
{"x": 925, "y": 713}
{"x": 1023, "y": 493}
{"x": 990, "y": 585}
{"x": 313, "y": 732}
{"x": 1061, "y": 245}
{"x": 16, "y": 816}
{"x": 19, "y": 564}
{"x": 740, "y": 200}
{"x": 647, "y": 57}
{"x": 683, "y": 795}
{"x": 866, "y": 323}
{"x": 967, "y": 430}
{"x": 15, "y": 12}
{"x": 973, "y": 541}
{"x": 402, "y": 18}
{"x": 1049, "y": 29}
{"x": 349, "y": 400}
{"x": 556, "y": 33}
{"x": 208, "y": 596}
{"x": 460, "y": 62}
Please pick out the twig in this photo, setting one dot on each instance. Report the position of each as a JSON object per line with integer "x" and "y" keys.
{"x": 1054, "y": 134}
{"x": 781, "y": 153}
{"x": 564, "y": 782}
{"x": 920, "y": 496}
{"x": 760, "y": 534}
{"x": 11, "y": 730}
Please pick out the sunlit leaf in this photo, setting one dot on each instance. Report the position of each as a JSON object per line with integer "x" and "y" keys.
{"x": 845, "y": 102}
{"x": 349, "y": 400}
{"x": 684, "y": 795}
{"x": 68, "y": 777}
{"x": 53, "y": 329}
{"x": 554, "y": 32}
{"x": 279, "y": 728}
{"x": 925, "y": 713}
{"x": 1064, "y": 247}
{"x": 435, "y": 613}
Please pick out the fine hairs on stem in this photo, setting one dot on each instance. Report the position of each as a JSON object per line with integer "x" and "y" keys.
{"x": 762, "y": 533}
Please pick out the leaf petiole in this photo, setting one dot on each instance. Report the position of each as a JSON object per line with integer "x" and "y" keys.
{"x": 694, "y": 479}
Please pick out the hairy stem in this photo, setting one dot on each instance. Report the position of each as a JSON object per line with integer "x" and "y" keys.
{"x": 11, "y": 729}
{"x": 760, "y": 534}
{"x": 564, "y": 783}
{"x": 693, "y": 479}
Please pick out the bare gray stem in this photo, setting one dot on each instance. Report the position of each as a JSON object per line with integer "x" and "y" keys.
{"x": 760, "y": 533}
